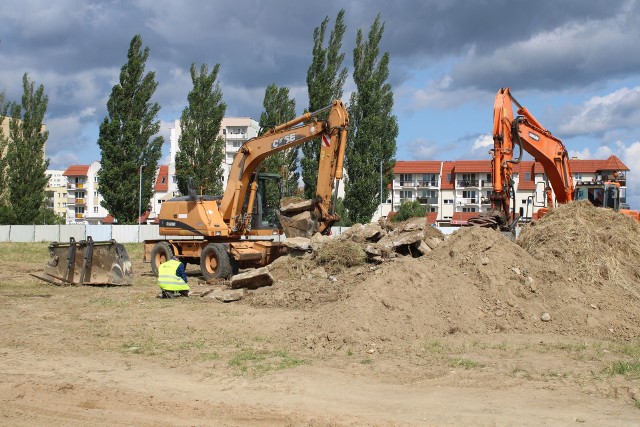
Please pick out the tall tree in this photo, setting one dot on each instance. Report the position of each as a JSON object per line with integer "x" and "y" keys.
{"x": 373, "y": 129}
{"x": 325, "y": 80}
{"x": 279, "y": 109}
{"x": 126, "y": 138}
{"x": 25, "y": 163}
{"x": 4, "y": 141}
{"x": 201, "y": 149}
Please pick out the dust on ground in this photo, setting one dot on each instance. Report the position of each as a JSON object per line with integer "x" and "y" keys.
{"x": 474, "y": 329}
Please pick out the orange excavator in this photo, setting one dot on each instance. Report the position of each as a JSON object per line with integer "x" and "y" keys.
{"x": 525, "y": 132}
{"x": 228, "y": 232}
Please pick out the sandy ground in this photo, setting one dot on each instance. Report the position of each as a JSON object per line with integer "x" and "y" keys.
{"x": 102, "y": 356}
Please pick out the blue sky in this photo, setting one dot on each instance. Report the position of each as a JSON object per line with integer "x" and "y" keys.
{"x": 575, "y": 64}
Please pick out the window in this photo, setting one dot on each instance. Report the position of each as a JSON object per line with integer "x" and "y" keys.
{"x": 95, "y": 194}
{"x": 448, "y": 201}
{"x": 523, "y": 201}
{"x": 163, "y": 180}
{"x": 406, "y": 179}
{"x": 431, "y": 209}
{"x": 95, "y": 209}
{"x": 527, "y": 176}
{"x": 159, "y": 201}
{"x": 488, "y": 177}
{"x": 224, "y": 131}
{"x": 468, "y": 209}
{"x": 174, "y": 179}
{"x": 406, "y": 195}
{"x": 468, "y": 194}
{"x": 95, "y": 178}
{"x": 448, "y": 177}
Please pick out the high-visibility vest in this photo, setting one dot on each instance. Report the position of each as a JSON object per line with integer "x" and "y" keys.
{"x": 167, "y": 279}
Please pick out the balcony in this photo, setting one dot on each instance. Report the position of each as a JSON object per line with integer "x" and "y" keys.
{"x": 462, "y": 183}
{"x": 74, "y": 186}
{"x": 428, "y": 200}
{"x": 427, "y": 183}
{"x": 467, "y": 200}
{"x": 235, "y": 136}
{"x": 407, "y": 183}
{"x": 79, "y": 216}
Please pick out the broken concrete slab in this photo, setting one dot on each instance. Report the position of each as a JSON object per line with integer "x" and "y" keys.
{"x": 252, "y": 279}
{"x": 227, "y": 295}
{"x": 297, "y": 206}
{"x": 300, "y": 225}
{"x": 298, "y": 243}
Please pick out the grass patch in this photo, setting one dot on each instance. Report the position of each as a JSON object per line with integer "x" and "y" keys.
{"x": 208, "y": 356}
{"x": 146, "y": 347}
{"x": 366, "y": 361}
{"x": 628, "y": 369}
{"x": 25, "y": 252}
{"x": 260, "y": 362}
{"x": 465, "y": 363}
{"x": 108, "y": 302}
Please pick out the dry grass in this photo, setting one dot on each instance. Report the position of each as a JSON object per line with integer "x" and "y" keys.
{"x": 336, "y": 255}
{"x": 596, "y": 242}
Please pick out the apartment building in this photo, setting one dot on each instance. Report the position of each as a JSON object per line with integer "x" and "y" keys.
{"x": 454, "y": 191}
{"x": 234, "y": 130}
{"x": 83, "y": 195}
{"x": 56, "y": 192}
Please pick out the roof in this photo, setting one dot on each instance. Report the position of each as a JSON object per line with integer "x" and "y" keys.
{"x": 447, "y": 172}
{"x": 461, "y": 218}
{"x": 467, "y": 166}
{"x": 425, "y": 166}
{"x": 109, "y": 219}
{"x": 612, "y": 163}
{"x": 161, "y": 185}
{"x": 76, "y": 170}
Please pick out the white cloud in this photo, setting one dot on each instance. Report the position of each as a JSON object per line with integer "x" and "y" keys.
{"x": 600, "y": 114}
{"x": 421, "y": 149}
{"x": 483, "y": 141}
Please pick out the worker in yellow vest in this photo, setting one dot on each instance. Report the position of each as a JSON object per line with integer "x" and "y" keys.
{"x": 172, "y": 279}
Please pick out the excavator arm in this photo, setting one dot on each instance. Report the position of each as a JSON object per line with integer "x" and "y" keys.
{"x": 525, "y": 132}
{"x": 333, "y": 135}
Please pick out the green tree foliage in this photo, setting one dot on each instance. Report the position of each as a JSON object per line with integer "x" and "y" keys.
{"x": 25, "y": 176}
{"x": 373, "y": 129}
{"x": 279, "y": 109}
{"x": 3, "y": 145}
{"x": 201, "y": 149}
{"x": 325, "y": 80}
{"x": 409, "y": 209}
{"x": 126, "y": 138}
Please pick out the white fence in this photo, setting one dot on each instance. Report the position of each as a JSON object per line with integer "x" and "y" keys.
{"x": 120, "y": 233}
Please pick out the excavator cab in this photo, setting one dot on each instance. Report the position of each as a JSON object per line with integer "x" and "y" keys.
{"x": 267, "y": 202}
{"x": 606, "y": 195}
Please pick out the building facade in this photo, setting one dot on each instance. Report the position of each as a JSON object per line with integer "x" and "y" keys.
{"x": 83, "y": 195}
{"x": 454, "y": 191}
{"x": 56, "y": 192}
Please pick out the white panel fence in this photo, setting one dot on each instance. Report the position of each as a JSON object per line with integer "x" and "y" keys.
{"x": 120, "y": 233}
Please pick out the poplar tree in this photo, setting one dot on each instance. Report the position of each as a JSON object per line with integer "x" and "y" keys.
{"x": 279, "y": 108}
{"x": 373, "y": 129}
{"x": 126, "y": 138}
{"x": 3, "y": 145}
{"x": 25, "y": 175}
{"x": 201, "y": 148}
{"x": 325, "y": 80}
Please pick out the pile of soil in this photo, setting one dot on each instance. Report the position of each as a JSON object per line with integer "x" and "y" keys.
{"x": 477, "y": 281}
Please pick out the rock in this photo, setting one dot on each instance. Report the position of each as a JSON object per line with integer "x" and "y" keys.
{"x": 433, "y": 242}
{"x": 546, "y": 317}
{"x": 423, "y": 248}
{"x": 593, "y": 306}
{"x": 297, "y": 206}
{"x": 484, "y": 260}
{"x": 415, "y": 224}
{"x": 298, "y": 243}
{"x": 300, "y": 225}
{"x": 227, "y": 295}
{"x": 360, "y": 233}
{"x": 252, "y": 279}
{"x": 332, "y": 278}
{"x": 317, "y": 240}
{"x": 516, "y": 270}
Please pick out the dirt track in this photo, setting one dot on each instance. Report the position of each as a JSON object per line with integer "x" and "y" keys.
{"x": 438, "y": 349}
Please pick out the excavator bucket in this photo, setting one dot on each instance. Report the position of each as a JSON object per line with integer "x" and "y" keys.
{"x": 88, "y": 263}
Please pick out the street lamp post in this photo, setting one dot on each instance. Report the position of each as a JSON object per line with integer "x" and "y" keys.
{"x": 140, "y": 201}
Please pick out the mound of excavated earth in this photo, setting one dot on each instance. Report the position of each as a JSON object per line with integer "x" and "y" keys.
{"x": 475, "y": 281}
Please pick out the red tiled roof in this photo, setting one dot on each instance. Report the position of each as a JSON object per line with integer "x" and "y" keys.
{"x": 431, "y": 217}
{"x": 467, "y": 166}
{"x": 76, "y": 170}
{"x": 109, "y": 219}
{"x": 161, "y": 185}
{"x": 426, "y": 166}
{"x": 592, "y": 166}
{"x": 526, "y": 185}
{"x": 447, "y": 169}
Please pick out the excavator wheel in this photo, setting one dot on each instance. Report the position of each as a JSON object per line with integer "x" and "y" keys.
{"x": 161, "y": 252}
{"x": 215, "y": 262}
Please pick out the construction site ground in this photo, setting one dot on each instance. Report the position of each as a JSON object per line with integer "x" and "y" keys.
{"x": 476, "y": 332}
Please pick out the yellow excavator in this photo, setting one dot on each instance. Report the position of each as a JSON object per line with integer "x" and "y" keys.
{"x": 225, "y": 233}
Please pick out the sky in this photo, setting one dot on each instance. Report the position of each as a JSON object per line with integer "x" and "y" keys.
{"x": 575, "y": 64}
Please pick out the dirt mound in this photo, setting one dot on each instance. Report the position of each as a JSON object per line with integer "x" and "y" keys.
{"x": 597, "y": 244}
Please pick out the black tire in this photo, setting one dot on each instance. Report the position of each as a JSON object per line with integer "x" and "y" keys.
{"x": 161, "y": 252}
{"x": 215, "y": 262}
